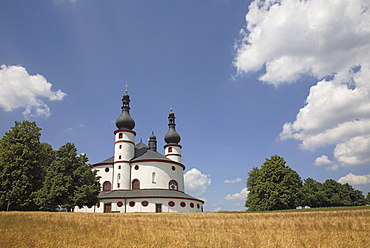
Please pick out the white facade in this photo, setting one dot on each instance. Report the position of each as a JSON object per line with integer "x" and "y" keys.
{"x": 138, "y": 178}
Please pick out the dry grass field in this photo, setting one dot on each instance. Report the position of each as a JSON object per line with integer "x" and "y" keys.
{"x": 337, "y": 228}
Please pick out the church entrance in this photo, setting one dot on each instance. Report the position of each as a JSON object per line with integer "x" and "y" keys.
{"x": 107, "y": 207}
{"x": 158, "y": 208}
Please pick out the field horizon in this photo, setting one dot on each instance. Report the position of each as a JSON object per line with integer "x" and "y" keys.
{"x": 333, "y": 227}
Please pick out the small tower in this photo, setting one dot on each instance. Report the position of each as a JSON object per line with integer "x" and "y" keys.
{"x": 172, "y": 138}
{"x": 124, "y": 146}
{"x": 152, "y": 142}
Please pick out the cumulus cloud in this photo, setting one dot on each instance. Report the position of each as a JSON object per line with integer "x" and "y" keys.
{"x": 323, "y": 160}
{"x": 18, "y": 89}
{"x": 236, "y": 180}
{"x": 294, "y": 37}
{"x": 329, "y": 40}
{"x": 196, "y": 182}
{"x": 238, "y": 196}
{"x": 355, "y": 179}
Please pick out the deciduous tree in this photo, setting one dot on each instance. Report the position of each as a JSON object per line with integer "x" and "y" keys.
{"x": 274, "y": 186}
{"x": 23, "y": 159}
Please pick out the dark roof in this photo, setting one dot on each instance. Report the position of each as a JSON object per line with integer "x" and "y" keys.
{"x": 142, "y": 152}
{"x": 146, "y": 193}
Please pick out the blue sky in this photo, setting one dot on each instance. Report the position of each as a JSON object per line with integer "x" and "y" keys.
{"x": 246, "y": 80}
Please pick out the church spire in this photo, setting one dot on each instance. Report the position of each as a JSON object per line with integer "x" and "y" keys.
{"x": 172, "y": 137}
{"x": 153, "y": 142}
{"x": 125, "y": 121}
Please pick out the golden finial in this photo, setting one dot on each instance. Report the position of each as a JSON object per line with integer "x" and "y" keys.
{"x": 126, "y": 87}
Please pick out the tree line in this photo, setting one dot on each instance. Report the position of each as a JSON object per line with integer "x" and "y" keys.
{"x": 35, "y": 177}
{"x": 276, "y": 186}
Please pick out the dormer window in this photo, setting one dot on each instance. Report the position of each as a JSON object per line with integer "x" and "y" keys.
{"x": 173, "y": 185}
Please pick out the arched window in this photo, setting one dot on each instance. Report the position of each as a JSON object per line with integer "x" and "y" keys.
{"x": 106, "y": 186}
{"x": 120, "y": 136}
{"x": 135, "y": 184}
{"x": 169, "y": 149}
{"x": 153, "y": 178}
{"x": 173, "y": 185}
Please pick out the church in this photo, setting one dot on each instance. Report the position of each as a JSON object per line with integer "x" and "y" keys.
{"x": 140, "y": 179}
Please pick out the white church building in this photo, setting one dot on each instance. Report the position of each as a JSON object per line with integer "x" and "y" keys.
{"x": 140, "y": 179}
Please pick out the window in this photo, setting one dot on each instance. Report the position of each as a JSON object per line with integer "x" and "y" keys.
{"x": 183, "y": 204}
{"x": 106, "y": 169}
{"x": 119, "y": 204}
{"x": 119, "y": 176}
{"x": 169, "y": 149}
{"x": 173, "y": 185}
{"x": 192, "y": 205}
{"x": 198, "y": 206}
{"x": 98, "y": 205}
{"x": 135, "y": 184}
{"x": 153, "y": 177}
{"x": 136, "y": 167}
{"x": 173, "y": 168}
{"x": 119, "y": 167}
{"x": 120, "y": 146}
{"x": 144, "y": 203}
{"x": 131, "y": 204}
{"x": 120, "y": 136}
{"x": 171, "y": 204}
{"x": 119, "y": 157}
{"x": 106, "y": 186}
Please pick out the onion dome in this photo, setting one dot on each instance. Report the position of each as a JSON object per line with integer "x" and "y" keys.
{"x": 153, "y": 142}
{"x": 125, "y": 121}
{"x": 172, "y": 137}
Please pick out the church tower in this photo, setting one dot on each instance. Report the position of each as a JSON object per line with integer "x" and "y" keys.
{"x": 172, "y": 138}
{"x": 124, "y": 146}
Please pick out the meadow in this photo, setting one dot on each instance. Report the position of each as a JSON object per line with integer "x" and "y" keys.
{"x": 322, "y": 228}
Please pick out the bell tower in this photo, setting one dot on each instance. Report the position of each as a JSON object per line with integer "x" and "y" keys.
{"x": 124, "y": 146}
{"x": 172, "y": 138}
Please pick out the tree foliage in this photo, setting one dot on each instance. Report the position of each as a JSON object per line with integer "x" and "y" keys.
{"x": 330, "y": 194}
{"x": 276, "y": 186}
{"x": 273, "y": 186}
{"x": 34, "y": 177}
{"x": 23, "y": 159}
{"x": 69, "y": 181}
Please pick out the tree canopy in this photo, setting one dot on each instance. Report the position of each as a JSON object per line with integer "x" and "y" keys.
{"x": 276, "y": 186}
{"x": 273, "y": 186}
{"x": 34, "y": 177}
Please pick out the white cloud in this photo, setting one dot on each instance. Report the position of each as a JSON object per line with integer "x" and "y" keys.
{"x": 196, "y": 182}
{"x": 355, "y": 179}
{"x": 329, "y": 39}
{"x": 294, "y": 37}
{"x": 236, "y": 180}
{"x": 323, "y": 160}
{"x": 238, "y": 196}
{"x": 18, "y": 89}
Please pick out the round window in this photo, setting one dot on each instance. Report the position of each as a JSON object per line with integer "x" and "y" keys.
{"x": 131, "y": 203}
{"x": 171, "y": 204}
{"x": 173, "y": 168}
{"x": 106, "y": 169}
{"x": 144, "y": 203}
{"x": 183, "y": 204}
{"x": 191, "y": 205}
{"x": 136, "y": 167}
{"x": 119, "y": 204}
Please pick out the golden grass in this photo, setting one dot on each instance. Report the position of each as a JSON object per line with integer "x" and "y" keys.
{"x": 339, "y": 228}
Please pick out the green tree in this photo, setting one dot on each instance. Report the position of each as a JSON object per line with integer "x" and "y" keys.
{"x": 69, "y": 181}
{"x": 274, "y": 186}
{"x": 23, "y": 159}
{"x": 368, "y": 198}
